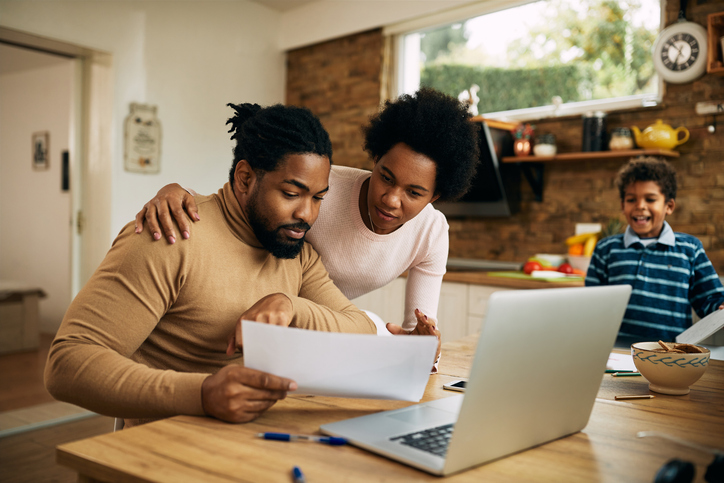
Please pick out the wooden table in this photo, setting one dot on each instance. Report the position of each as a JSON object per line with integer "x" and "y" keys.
{"x": 185, "y": 449}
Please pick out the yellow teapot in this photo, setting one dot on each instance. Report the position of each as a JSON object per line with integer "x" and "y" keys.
{"x": 660, "y": 136}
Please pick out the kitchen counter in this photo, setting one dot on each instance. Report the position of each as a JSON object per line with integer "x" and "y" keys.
{"x": 477, "y": 277}
{"x": 481, "y": 265}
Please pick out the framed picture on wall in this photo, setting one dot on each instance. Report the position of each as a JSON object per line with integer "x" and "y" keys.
{"x": 40, "y": 151}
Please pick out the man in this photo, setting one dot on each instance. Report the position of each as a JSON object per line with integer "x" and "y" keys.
{"x": 143, "y": 336}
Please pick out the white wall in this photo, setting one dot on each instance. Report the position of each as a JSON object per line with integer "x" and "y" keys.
{"x": 323, "y": 20}
{"x": 187, "y": 58}
{"x": 190, "y": 58}
{"x": 35, "y": 216}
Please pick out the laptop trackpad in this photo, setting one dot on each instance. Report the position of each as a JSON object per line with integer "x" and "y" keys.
{"x": 422, "y": 415}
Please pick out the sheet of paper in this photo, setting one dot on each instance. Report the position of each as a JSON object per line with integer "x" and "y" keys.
{"x": 342, "y": 365}
{"x": 702, "y": 329}
{"x": 620, "y": 362}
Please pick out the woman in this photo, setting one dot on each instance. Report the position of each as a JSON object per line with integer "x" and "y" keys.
{"x": 374, "y": 226}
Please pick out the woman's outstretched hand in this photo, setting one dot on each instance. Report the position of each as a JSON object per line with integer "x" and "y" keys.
{"x": 171, "y": 201}
{"x": 424, "y": 326}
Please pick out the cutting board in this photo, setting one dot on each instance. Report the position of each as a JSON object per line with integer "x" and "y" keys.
{"x": 523, "y": 276}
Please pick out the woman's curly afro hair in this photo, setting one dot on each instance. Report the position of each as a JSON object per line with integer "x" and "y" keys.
{"x": 433, "y": 124}
{"x": 265, "y": 135}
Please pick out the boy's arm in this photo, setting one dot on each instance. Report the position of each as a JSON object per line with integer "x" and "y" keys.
{"x": 706, "y": 293}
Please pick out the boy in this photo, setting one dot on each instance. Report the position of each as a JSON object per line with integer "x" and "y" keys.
{"x": 669, "y": 272}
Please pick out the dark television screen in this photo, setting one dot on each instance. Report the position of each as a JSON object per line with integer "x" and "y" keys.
{"x": 495, "y": 189}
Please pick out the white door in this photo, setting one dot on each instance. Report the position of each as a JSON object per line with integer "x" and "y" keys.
{"x": 36, "y": 115}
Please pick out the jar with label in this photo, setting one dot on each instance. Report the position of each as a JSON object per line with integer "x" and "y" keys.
{"x": 621, "y": 138}
{"x": 545, "y": 145}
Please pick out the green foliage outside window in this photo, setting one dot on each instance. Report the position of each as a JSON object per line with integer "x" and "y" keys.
{"x": 506, "y": 89}
{"x": 442, "y": 41}
{"x": 619, "y": 52}
{"x": 580, "y": 51}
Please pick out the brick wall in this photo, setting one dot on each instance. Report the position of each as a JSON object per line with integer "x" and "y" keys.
{"x": 339, "y": 81}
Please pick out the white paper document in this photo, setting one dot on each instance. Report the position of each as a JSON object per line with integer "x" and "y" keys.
{"x": 620, "y": 362}
{"x": 342, "y": 365}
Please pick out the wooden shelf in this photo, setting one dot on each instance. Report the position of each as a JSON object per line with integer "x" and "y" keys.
{"x": 628, "y": 153}
{"x": 715, "y": 30}
{"x": 504, "y": 125}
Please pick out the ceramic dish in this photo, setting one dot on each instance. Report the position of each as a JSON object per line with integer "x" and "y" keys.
{"x": 668, "y": 372}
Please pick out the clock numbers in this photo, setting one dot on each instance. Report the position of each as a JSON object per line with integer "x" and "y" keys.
{"x": 680, "y": 52}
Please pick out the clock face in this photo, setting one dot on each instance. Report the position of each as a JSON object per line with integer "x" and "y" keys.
{"x": 680, "y": 52}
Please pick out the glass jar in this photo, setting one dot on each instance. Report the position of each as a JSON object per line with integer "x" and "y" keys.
{"x": 621, "y": 139}
{"x": 545, "y": 145}
{"x": 594, "y": 132}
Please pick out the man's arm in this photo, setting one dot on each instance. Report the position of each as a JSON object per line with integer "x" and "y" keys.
{"x": 90, "y": 363}
{"x": 321, "y": 305}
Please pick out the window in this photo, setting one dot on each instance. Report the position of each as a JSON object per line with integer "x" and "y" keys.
{"x": 549, "y": 57}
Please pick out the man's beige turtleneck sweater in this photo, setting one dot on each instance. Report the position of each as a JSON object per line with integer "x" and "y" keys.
{"x": 152, "y": 322}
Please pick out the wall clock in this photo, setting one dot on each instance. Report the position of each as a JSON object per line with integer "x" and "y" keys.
{"x": 680, "y": 51}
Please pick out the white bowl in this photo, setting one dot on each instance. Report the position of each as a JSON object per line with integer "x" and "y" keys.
{"x": 552, "y": 258}
{"x": 544, "y": 150}
{"x": 669, "y": 372}
{"x": 579, "y": 262}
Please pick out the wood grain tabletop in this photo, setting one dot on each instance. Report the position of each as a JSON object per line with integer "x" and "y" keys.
{"x": 190, "y": 449}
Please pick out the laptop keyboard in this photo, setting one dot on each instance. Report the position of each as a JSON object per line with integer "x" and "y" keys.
{"x": 433, "y": 440}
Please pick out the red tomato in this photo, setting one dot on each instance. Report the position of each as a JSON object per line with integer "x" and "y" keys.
{"x": 529, "y": 267}
{"x": 565, "y": 268}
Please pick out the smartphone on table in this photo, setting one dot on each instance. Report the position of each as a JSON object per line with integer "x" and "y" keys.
{"x": 455, "y": 386}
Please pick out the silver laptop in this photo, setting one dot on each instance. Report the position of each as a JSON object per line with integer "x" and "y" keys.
{"x": 538, "y": 366}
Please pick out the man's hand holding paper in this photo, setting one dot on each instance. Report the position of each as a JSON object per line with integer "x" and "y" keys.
{"x": 339, "y": 364}
{"x": 274, "y": 309}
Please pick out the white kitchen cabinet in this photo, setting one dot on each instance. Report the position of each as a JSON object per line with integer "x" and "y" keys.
{"x": 452, "y": 312}
{"x": 461, "y": 310}
{"x": 478, "y": 296}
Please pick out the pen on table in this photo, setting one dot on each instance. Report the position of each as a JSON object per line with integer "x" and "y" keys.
{"x": 611, "y": 371}
{"x": 638, "y": 396}
{"x": 625, "y": 374}
{"x": 330, "y": 440}
{"x": 298, "y": 476}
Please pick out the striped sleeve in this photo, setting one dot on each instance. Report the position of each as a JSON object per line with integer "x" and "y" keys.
{"x": 598, "y": 269}
{"x": 706, "y": 292}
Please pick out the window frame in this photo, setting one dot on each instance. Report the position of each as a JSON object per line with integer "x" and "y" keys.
{"x": 399, "y": 31}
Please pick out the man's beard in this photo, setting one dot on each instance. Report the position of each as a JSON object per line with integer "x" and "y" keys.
{"x": 278, "y": 244}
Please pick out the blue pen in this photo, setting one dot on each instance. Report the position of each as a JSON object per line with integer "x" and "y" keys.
{"x": 298, "y": 475}
{"x": 330, "y": 440}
